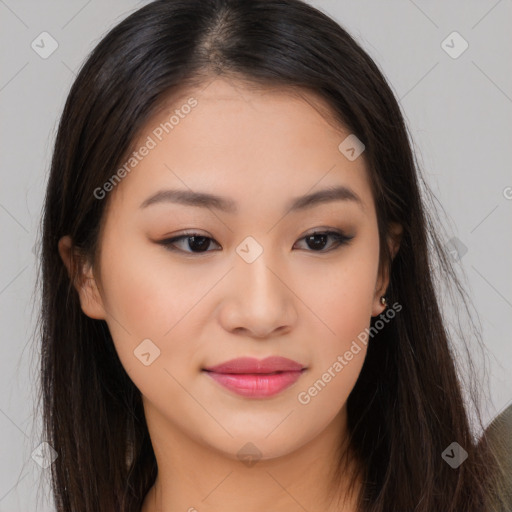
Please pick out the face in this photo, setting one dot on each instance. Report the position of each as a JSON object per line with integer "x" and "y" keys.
{"x": 258, "y": 273}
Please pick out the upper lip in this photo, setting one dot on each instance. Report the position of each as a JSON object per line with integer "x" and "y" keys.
{"x": 252, "y": 365}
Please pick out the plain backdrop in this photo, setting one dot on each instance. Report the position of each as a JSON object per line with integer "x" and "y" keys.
{"x": 457, "y": 102}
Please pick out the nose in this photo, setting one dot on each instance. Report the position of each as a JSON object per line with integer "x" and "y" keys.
{"x": 259, "y": 302}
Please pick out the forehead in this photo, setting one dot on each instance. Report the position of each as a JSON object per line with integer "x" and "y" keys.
{"x": 252, "y": 144}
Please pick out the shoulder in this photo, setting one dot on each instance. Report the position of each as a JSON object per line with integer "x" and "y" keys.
{"x": 499, "y": 437}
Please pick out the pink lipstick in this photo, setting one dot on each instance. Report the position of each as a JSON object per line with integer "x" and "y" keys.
{"x": 256, "y": 378}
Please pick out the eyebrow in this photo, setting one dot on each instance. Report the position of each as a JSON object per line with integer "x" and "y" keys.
{"x": 206, "y": 200}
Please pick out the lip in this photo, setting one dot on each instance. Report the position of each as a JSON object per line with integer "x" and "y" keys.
{"x": 253, "y": 365}
{"x": 254, "y": 378}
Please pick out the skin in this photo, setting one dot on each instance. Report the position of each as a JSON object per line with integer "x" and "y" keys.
{"x": 261, "y": 148}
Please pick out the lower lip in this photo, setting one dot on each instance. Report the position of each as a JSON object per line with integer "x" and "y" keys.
{"x": 256, "y": 385}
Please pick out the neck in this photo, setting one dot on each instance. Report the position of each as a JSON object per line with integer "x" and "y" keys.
{"x": 196, "y": 478}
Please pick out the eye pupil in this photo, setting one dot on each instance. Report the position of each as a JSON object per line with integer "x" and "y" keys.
{"x": 315, "y": 237}
{"x": 203, "y": 242}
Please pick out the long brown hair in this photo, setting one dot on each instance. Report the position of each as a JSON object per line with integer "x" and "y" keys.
{"x": 408, "y": 404}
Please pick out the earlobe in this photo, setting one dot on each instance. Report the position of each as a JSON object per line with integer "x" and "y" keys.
{"x": 83, "y": 280}
{"x": 379, "y": 304}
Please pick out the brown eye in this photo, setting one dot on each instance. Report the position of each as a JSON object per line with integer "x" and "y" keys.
{"x": 196, "y": 243}
{"x": 318, "y": 240}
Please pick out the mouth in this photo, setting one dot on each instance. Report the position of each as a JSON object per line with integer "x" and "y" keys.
{"x": 250, "y": 377}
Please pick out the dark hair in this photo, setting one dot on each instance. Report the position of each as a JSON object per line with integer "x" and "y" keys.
{"x": 407, "y": 405}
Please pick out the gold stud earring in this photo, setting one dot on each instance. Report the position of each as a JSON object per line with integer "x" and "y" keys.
{"x": 383, "y": 301}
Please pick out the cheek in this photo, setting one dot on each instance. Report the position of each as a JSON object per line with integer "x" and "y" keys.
{"x": 150, "y": 297}
{"x": 340, "y": 294}
{"x": 149, "y": 294}
{"x": 341, "y": 297}
{"x": 339, "y": 341}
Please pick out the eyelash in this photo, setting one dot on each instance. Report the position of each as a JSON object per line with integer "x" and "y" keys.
{"x": 340, "y": 238}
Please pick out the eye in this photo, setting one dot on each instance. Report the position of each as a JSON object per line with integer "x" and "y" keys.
{"x": 318, "y": 239}
{"x": 197, "y": 243}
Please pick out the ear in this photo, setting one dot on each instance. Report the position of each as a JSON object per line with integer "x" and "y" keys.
{"x": 394, "y": 239}
{"x": 83, "y": 279}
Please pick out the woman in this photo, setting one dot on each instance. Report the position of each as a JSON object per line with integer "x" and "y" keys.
{"x": 239, "y": 278}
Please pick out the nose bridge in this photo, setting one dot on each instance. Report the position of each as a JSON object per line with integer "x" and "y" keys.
{"x": 262, "y": 301}
{"x": 253, "y": 265}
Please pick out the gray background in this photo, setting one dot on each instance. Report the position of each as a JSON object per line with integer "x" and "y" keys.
{"x": 459, "y": 115}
